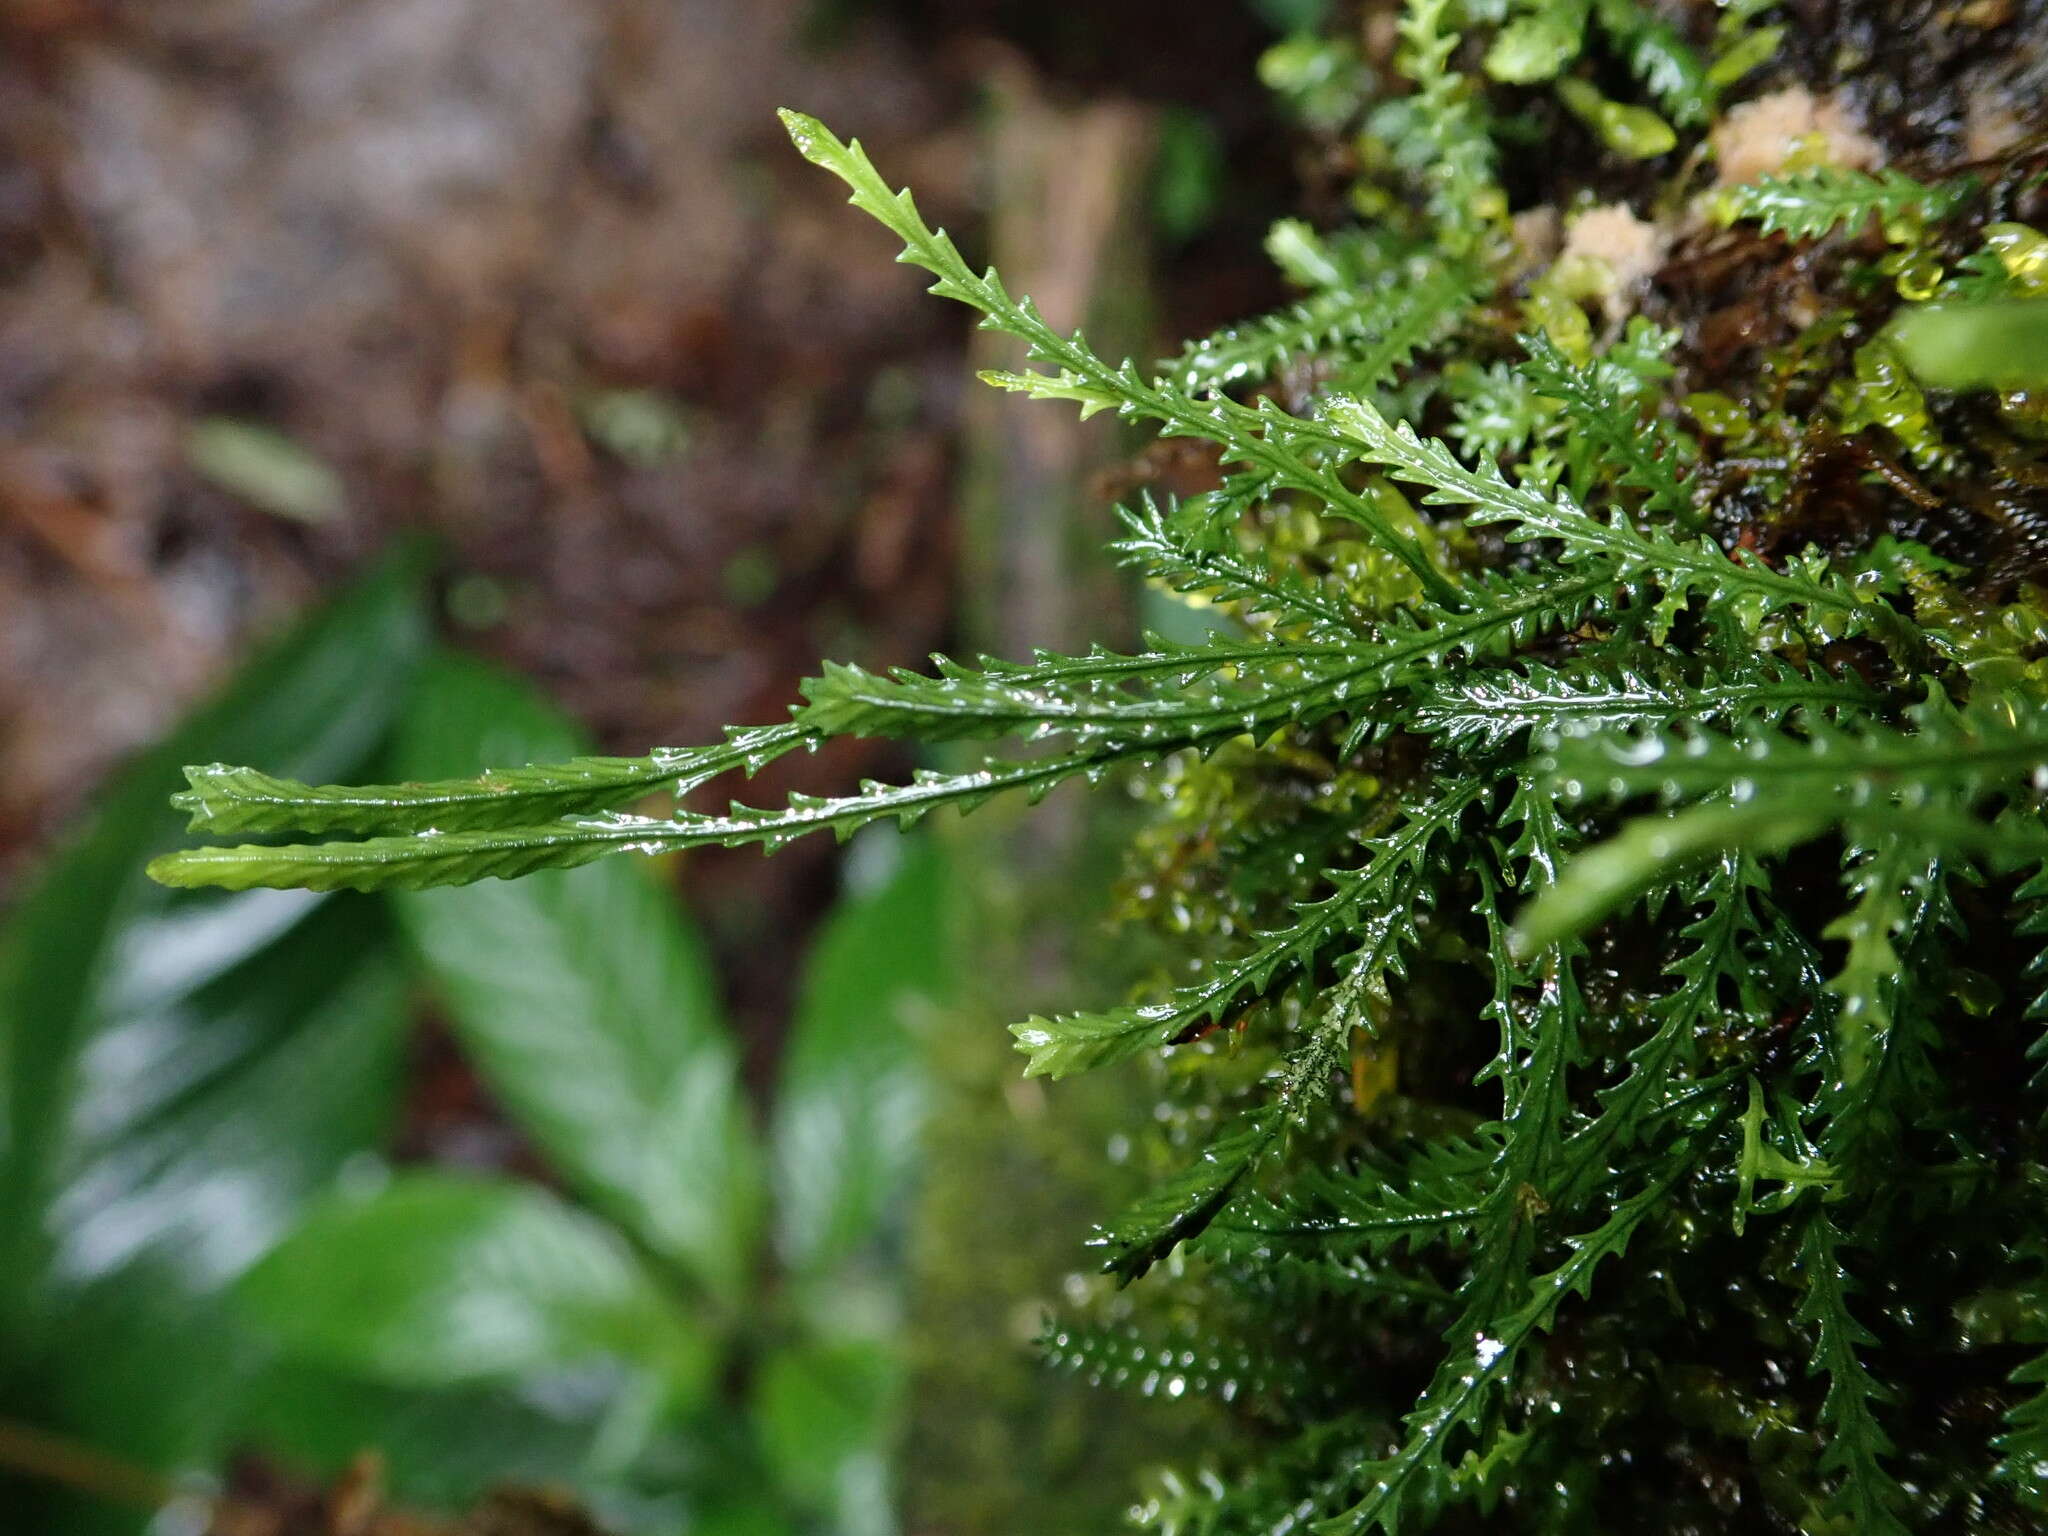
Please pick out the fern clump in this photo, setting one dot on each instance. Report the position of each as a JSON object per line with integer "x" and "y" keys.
{"x": 1606, "y": 858}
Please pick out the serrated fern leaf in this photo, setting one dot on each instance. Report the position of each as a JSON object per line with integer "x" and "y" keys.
{"x": 462, "y": 858}
{"x": 1376, "y": 901}
{"x": 2023, "y": 1446}
{"x": 1539, "y": 1044}
{"x": 1257, "y": 588}
{"x": 1089, "y": 698}
{"x": 1949, "y": 758}
{"x": 1486, "y": 708}
{"x": 1418, "y": 1476}
{"x": 1714, "y": 954}
{"x": 1882, "y": 883}
{"x": 1808, "y": 204}
{"x": 242, "y": 800}
{"x": 1751, "y": 592}
{"x": 1885, "y": 1034}
{"x": 1288, "y": 1483}
{"x": 2032, "y": 897}
{"x": 1202, "y": 1365}
{"x": 1180, "y": 1208}
{"x": 1450, "y": 131}
{"x": 1868, "y": 1498}
{"x": 1184, "y": 1207}
{"x": 1377, "y": 326}
{"x": 1645, "y": 455}
{"x": 1436, "y": 1196}
{"x": 1080, "y": 376}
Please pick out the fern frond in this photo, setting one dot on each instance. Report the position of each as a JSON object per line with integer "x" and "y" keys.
{"x": 1449, "y": 134}
{"x": 2023, "y": 1446}
{"x": 1291, "y": 1282}
{"x": 1485, "y": 708}
{"x": 1375, "y": 902}
{"x": 1950, "y": 758}
{"x": 1188, "y": 1363}
{"x": 1868, "y": 1499}
{"x": 1417, "y": 1477}
{"x": 1669, "y": 70}
{"x": 1377, "y": 326}
{"x": 1715, "y": 954}
{"x": 1318, "y": 1469}
{"x": 231, "y": 800}
{"x": 2032, "y": 898}
{"x": 462, "y": 858}
{"x": 1255, "y": 437}
{"x": 1882, "y": 882}
{"x": 1498, "y": 410}
{"x": 1181, "y": 1207}
{"x": 1435, "y": 1196}
{"x": 1810, "y": 203}
{"x": 1258, "y": 589}
{"x": 1749, "y": 592}
{"x": 1184, "y": 1207}
{"x": 1885, "y": 1034}
{"x": 1652, "y": 850}
{"x": 1086, "y": 697}
{"x": 1644, "y": 455}
{"x": 1539, "y": 1044}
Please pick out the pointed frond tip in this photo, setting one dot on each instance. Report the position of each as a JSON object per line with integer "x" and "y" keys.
{"x": 1067, "y": 368}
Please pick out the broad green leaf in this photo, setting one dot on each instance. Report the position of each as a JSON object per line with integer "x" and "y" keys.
{"x": 439, "y": 1280}
{"x": 825, "y": 1415}
{"x": 179, "y": 1072}
{"x": 442, "y": 1448}
{"x": 587, "y": 1003}
{"x": 99, "y": 966}
{"x": 851, "y": 1100}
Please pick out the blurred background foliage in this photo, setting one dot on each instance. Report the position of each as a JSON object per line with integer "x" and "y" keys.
{"x": 405, "y": 387}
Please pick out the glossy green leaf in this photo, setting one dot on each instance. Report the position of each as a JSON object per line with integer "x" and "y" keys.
{"x": 825, "y": 1415}
{"x": 438, "y": 1280}
{"x": 183, "y": 1071}
{"x": 851, "y": 1099}
{"x": 587, "y": 1003}
{"x": 2001, "y": 345}
{"x": 108, "y": 981}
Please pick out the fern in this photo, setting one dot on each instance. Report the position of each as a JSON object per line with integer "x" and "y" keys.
{"x": 398, "y": 863}
{"x": 1868, "y": 1498}
{"x": 1668, "y": 69}
{"x": 1258, "y": 438}
{"x": 1417, "y": 1475}
{"x": 1434, "y": 1197}
{"x": 1491, "y": 707}
{"x": 1380, "y": 895}
{"x": 1646, "y": 461}
{"x": 1256, "y": 590}
{"x": 1375, "y": 328}
{"x": 1811, "y": 203}
{"x": 2023, "y": 1447}
{"x": 229, "y": 800}
{"x": 1564, "y": 864}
